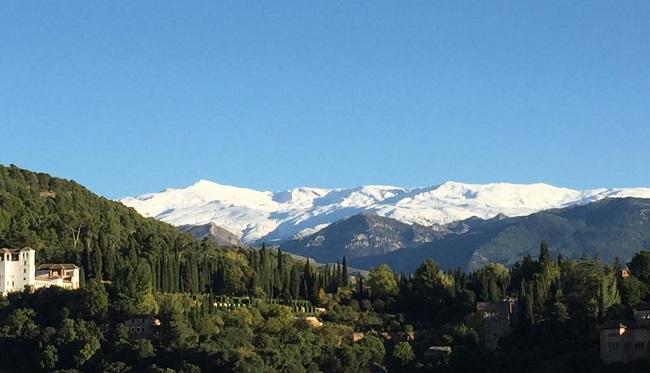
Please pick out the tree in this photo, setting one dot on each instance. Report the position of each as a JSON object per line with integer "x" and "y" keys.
{"x": 527, "y": 299}
{"x": 48, "y": 358}
{"x": 344, "y": 272}
{"x": 544, "y": 255}
{"x": 20, "y": 324}
{"x": 134, "y": 291}
{"x": 294, "y": 283}
{"x": 608, "y": 293}
{"x": 403, "y": 353}
{"x": 95, "y": 263}
{"x": 640, "y": 266}
{"x": 95, "y": 299}
{"x": 382, "y": 282}
{"x": 178, "y": 333}
{"x": 632, "y": 290}
{"x": 559, "y": 312}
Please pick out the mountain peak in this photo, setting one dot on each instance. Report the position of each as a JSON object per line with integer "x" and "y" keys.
{"x": 253, "y": 215}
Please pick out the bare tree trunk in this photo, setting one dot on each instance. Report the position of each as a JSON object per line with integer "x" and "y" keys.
{"x": 75, "y": 237}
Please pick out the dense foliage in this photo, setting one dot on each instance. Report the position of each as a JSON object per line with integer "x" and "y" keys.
{"x": 379, "y": 321}
{"x": 63, "y": 221}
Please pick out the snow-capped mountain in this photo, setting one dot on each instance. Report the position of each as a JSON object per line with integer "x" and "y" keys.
{"x": 254, "y": 215}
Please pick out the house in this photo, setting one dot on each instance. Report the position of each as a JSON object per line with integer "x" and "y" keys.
{"x": 65, "y": 275}
{"x": 499, "y": 319}
{"x": 142, "y": 327}
{"x": 437, "y": 352}
{"x": 627, "y": 341}
{"x": 18, "y": 272}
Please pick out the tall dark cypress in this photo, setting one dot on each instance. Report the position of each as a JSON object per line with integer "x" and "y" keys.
{"x": 96, "y": 263}
{"x": 544, "y": 254}
{"x": 294, "y": 283}
{"x": 306, "y": 281}
{"x": 345, "y": 280}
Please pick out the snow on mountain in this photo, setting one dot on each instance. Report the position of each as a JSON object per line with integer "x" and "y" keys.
{"x": 254, "y": 215}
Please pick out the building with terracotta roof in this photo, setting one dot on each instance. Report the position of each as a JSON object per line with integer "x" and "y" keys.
{"x": 65, "y": 275}
{"x": 18, "y": 272}
{"x": 627, "y": 341}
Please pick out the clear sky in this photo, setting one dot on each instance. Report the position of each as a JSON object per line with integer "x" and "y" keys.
{"x": 130, "y": 98}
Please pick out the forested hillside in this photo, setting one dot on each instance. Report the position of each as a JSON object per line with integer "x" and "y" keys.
{"x": 377, "y": 322}
{"x": 63, "y": 221}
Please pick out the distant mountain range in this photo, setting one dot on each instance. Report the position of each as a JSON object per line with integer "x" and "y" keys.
{"x": 608, "y": 228}
{"x": 253, "y": 215}
{"x": 359, "y": 236}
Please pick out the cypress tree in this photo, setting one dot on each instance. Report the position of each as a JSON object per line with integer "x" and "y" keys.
{"x": 315, "y": 288}
{"x": 306, "y": 281}
{"x": 294, "y": 283}
{"x": 544, "y": 255}
{"x": 345, "y": 280}
{"x": 109, "y": 263}
{"x": 527, "y": 300}
{"x": 96, "y": 263}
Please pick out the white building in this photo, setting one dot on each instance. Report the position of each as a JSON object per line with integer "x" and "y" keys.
{"x": 65, "y": 275}
{"x": 18, "y": 272}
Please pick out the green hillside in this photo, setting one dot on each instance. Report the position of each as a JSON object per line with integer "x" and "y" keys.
{"x": 63, "y": 221}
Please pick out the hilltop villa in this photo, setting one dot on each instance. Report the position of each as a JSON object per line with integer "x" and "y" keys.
{"x": 18, "y": 272}
{"x": 627, "y": 341}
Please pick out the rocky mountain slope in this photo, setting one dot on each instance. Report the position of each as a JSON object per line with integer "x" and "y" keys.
{"x": 213, "y": 232}
{"x": 360, "y": 235}
{"x": 608, "y": 228}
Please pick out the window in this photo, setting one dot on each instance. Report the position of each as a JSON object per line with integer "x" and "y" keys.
{"x": 639, "y": 345}
{"x": 627, "y": 346}
{"x": 613, "y": 346}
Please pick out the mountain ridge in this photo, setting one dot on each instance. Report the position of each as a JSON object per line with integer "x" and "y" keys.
{"x": 608, "y": 228}
{"x": 211, "y": 231}
{"x": 262, "y": 215}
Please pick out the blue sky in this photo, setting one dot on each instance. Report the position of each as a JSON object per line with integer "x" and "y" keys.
{"x": 131, "y": 98}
